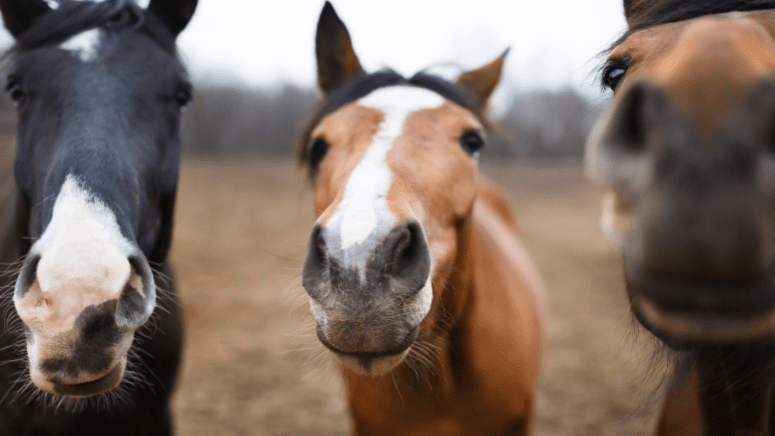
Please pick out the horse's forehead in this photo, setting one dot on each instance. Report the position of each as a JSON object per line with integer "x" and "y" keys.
{"x": 85, "y": 45}
{"x": 692, "y": 61}
{"x": 350, "y": 121}
{"x": 707, "y": 47}
{"x": 401, "y": 101}
{"x": 658, "y": 40}
{"x": 384, "y": 110}
{"x": 408, "y": 154}
{"x": 370, "y": 123}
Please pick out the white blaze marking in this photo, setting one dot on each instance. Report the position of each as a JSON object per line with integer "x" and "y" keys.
{"x": 365, "y": 195}
{"x": 84, "y": 44}
{"x": 83, "y": 262}
{"x": 738, "y": 14}
{"x": 54, "y": 4}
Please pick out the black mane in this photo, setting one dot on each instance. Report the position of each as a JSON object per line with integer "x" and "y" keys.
{"x": 367, "y": 83}
{"x": 642, "y": 14}
{"x": 73, "y": 17}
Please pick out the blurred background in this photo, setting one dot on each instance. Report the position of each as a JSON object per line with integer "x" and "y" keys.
{"x": 254, "y": 67}
{"x": 252, "y": 364}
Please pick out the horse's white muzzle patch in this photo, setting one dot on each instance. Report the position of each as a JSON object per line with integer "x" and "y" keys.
{"x": 83, "y": 261}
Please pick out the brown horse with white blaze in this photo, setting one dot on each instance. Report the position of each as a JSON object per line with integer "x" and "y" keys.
{"x": 687, "y": 150}
{"x": 418, "y": 281}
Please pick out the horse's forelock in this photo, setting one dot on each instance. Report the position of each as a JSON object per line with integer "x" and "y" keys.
{"x": 73, "y": 17}
{"x": 642, "y": 14}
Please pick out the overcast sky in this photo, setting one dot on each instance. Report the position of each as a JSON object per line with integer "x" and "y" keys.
{"x": 553, "y": 43}
{"x": 258, "y": 42}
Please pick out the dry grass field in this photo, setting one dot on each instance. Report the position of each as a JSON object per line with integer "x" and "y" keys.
{"x": 254, "y": 367}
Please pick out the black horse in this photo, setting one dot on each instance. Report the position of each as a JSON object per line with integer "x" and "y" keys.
{"x": 86, "y": 348}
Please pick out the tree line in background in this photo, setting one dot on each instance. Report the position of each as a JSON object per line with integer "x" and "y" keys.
{"x": 237, "y": 121}
{"x": 234, "y": 121}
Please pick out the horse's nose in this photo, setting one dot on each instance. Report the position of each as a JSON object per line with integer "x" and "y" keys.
{"x": 369, "y": 297}
{"x": 402, "y": 256}
{"x": 53, "y": 289}
{"x": 618, "y": 147}
{"x": 81, "y": 308}
{"x": 686, "y": 201}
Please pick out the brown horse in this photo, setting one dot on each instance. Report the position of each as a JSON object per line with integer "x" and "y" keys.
{"x": 418, "y": 281}
{"x": 688, "y": 151}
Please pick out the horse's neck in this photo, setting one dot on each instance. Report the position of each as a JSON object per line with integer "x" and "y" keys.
{"x": 736, "y": 388}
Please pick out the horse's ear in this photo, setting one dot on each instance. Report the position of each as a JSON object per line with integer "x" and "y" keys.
{"x": 337, "y": 61}
{"x": 175, "y": 14}
{"x": 18, "y": 15}
{"x": 482, "y": 81}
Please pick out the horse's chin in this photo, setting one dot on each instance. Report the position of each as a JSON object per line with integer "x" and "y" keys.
{"x": 694, "y": 310}
{"x": 100, "y": 385}
{"x": 372, "y": 366}
{"x": 370, "y": 362}
{"x": 685, "y": 327}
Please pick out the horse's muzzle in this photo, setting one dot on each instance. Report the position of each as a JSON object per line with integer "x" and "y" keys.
{"x": 369, "y": 300}
{"x": 79, "y": 328}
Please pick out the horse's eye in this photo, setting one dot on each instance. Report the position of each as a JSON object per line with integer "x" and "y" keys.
{"x": 183, "y": 96}
{"x": 14, "y": 89}
{"x": 613, "y": 73}
{"x": 471, "y": 142}
{"x": 317, "y": 152}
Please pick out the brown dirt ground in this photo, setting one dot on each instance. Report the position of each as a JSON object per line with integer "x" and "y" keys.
{"x": 254, "y": 367}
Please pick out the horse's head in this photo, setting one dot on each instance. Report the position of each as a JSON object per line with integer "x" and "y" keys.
{"x": 394, "y": 163}
{"x": 687, "y": 149}
{"x": 99, "y": 92}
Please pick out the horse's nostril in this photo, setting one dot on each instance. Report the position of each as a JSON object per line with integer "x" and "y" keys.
{"x": 27, "y": 275}
{"x": 402, "y": 251}
{"x": 138, "y": 296}
{"x": 315, "y": 263}
{"x": 319, "y": 244}
{"x": 622, "y": 149}
{"x": 404, "y": 256}
{"x": 638, "y": 109}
